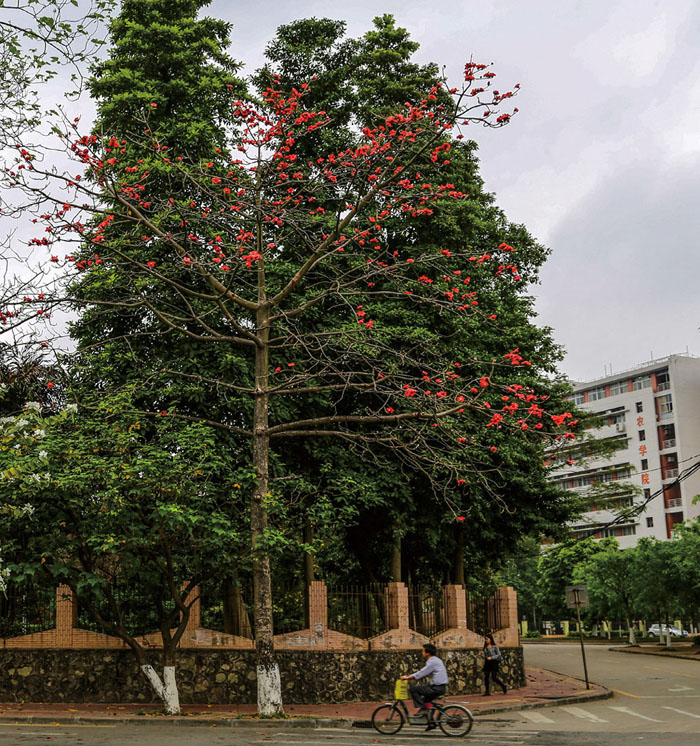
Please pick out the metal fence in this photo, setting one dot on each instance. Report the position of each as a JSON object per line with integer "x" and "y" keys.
{"x": 357, "y": 610}
{"x": 426, "y": 610}
{"x": 27, "y": 608}
{"x": 485, "y": 615}
{"x": 227, "y": 606}
{"x": 137, "y": 609}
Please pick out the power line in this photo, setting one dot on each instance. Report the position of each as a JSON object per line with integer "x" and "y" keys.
{"x": 624, "y": 517}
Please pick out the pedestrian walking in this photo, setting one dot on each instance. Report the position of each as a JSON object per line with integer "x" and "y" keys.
{"x": 492, "y": 660}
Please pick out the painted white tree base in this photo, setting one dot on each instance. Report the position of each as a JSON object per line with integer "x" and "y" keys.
{"x": 269, "y": 691}
{"x": 166, "y": 689}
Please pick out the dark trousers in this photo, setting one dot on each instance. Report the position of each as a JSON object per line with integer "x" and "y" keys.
{"x": 491, "y": 671}
{"x": 423, "y": 694}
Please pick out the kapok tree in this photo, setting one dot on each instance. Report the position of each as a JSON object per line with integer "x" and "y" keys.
{"x": 275, "y": 263}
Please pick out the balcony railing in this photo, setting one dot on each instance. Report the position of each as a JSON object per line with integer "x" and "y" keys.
{"x": 665, "y": 415}
{"x": 668, "y": 444}
{"x": 670, "y": 474}
{"x": 675, "y": 502}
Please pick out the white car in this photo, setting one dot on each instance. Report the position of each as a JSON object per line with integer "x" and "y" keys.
{"x": 675, "y": 632}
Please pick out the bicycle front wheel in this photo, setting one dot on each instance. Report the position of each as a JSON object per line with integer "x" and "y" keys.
{"x": 387, "y": 719}
{"x": 455, "y": 720}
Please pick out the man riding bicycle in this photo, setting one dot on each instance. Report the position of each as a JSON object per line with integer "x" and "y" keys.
{"x": 434, "y": 668}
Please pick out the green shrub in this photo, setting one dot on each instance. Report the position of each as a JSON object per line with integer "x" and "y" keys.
{"x": 531, "y": 634}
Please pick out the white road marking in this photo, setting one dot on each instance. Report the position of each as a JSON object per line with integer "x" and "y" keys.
{"x": 536, "y": 717}
{"x": 627, "y": 711}
{"x": 682, "y": 712}
{"x": 583, "y": 714}
{"x": 681, "y": 689}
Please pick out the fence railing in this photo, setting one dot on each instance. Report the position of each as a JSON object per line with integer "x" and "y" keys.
{"x": 26, "y": 608}
{"x": 426, "y": 610}
{"x": 357, "y": 610}
{"x": 485, "y": 614}
{"x": 388, "y": 615}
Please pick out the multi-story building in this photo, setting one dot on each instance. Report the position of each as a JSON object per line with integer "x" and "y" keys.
{"x": 650, "y": 416}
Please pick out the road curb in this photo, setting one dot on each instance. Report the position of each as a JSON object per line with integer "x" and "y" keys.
{"x": 301, "y": 722}
{"x": 555, "y": 702}
{"x": 658, "y": 654}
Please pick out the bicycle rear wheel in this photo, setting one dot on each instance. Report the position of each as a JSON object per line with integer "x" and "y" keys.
{"x": 387, "y": 719}
{"x": 455, "y": 720}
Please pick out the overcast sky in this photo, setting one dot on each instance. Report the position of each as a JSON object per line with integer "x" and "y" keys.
{"x": 602, "y": 163}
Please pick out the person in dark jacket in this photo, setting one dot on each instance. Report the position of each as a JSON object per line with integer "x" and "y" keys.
{"x": 492, "y": 660}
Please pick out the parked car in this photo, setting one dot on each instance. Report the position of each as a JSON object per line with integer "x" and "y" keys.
{"x": 675, "y": 631}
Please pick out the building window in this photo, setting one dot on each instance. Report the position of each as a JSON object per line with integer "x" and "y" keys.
{"x": 642, "y": 435}
{"x": 615, "y": 531}
{"x": 663, "y": 382}
{"x": 668, "y": 436}
{"x": 641, "y": 382}
{"x": 647, "y": 493}
{"x": 595, "y": 394}
{"x": 645, "y": 464}
{"x": 650, "y": 522}
{"x": 620, "y": 387}
{"x": 576, "y": 398}
{"x": 665, "y": 404}
{"x": 640, "y": 407}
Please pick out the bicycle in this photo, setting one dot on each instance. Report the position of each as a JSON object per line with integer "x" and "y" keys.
{"x": 453, "y": 720}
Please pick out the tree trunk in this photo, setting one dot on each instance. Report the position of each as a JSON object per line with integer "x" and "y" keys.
{"x": 165, "y": 689}
{"x": 458, "y": 569}
{"x": 396, "y": 557}
{"x": 236, "y": 620}
{"x": 269, "y": 683}
{"x": 308, "y": 568}
{"x": 230, "y": 616}
{"x": 630, "y": 627}
{"x": 309, "y": 575}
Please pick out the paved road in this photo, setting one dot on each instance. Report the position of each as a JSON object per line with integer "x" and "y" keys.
{"x": 484, "y": 733}
{"x": 653, "y": 696}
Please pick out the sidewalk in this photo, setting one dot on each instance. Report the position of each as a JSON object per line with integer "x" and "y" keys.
{"x": 684, "y": 650}
{"x": 544, "y": 689}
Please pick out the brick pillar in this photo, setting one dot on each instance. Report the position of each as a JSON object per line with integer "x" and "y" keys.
{"x": 66, "y": 616}
{"x": 507, "y": 598}
{"x": 318, "y": 611}
{"x": 396, "y": 598}
{"x": 455, "y": 607}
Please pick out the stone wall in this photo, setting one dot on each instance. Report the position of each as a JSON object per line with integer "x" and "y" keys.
{"x": 228, "y": 676}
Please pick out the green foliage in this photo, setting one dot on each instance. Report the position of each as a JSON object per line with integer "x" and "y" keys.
{"x": 557, "y": 569}
{"x": 611, "y": 577}
{"x": 169, "y": 71}
{"x": 125, "y": 511}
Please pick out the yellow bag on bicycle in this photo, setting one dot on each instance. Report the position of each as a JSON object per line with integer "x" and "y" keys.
{"x": 401, "y": 689}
